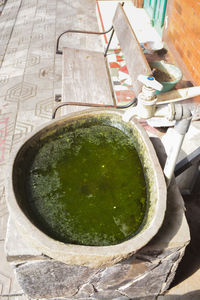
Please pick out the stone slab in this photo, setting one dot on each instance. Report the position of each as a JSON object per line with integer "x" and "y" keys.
{"x": 130, "y": 278}
{"x": 8, "y": 284}
{"x": 16, "y": 249}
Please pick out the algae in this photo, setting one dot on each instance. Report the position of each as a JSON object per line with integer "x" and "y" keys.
{"x": 86, "y": 186}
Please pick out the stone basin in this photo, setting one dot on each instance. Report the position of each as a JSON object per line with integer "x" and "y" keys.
{"x": 92, "y": 256}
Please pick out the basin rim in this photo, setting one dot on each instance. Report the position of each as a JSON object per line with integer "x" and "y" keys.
{"x": 92, "y": 256}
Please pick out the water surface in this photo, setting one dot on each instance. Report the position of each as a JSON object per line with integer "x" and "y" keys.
{"x": 87, "y": 187}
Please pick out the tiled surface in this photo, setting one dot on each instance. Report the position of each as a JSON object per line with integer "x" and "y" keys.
{"x": 30, "y": 76}
{"x": 122, "y": 84}
{"x": 8, "y": 283}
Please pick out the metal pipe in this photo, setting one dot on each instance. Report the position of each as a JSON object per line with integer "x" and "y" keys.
{"x": 133, "y": 102}
{"x": 180, "y": 129}
{"x": 111, "y": 36}
{"x": 110, "y": 39}
{"x": 77, "y": 31}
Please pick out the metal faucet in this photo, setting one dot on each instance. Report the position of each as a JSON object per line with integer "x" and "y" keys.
{"x": 160, "y": 109}
{"x": 147, "y": 109}
{"x": 147, "y": 99}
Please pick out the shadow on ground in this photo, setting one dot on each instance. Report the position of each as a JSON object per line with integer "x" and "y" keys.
{"x": 195, "y": 295}
{"x": 191, "y": 260}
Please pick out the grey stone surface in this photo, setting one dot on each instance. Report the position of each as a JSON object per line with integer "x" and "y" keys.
{"x": 8, "y": 284}
{"x": 133, "y": 278}
{"x": 152, "y": 279}
{"x": 52, "y": 279}
{"x": 23, "y": 251}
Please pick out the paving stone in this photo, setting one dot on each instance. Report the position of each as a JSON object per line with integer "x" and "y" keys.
{"x": 33, "y": 103}
{"x": 20, "y": 297}
{"x": 7, "y": 125}
{"x": 131, "y": 278}
{"x": 13, "y": 238}
{"x": 3, "y": 216}
{"x": 8, "y": 17}
{"x": 8, "y": 282}
{"x": 48, "y": 279}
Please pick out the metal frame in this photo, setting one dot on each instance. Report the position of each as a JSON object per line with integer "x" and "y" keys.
{"x": 85, "y": 32}
{"x": 131, "y": 103}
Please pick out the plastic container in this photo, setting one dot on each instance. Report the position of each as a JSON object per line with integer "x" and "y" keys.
{"x": 170, "y": 69}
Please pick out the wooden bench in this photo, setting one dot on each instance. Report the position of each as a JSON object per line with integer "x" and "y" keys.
{"x": 85, "y": 74}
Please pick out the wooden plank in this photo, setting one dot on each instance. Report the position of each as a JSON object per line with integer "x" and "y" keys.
{"x": 85, "y": 77}
{"x": 134, "y": 56}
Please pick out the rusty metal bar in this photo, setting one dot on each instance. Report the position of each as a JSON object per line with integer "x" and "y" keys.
{"x": 133, "y": 102}
{"x": 77, "y": 31}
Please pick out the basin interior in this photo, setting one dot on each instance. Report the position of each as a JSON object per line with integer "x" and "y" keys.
{"x": 83, "y": 182}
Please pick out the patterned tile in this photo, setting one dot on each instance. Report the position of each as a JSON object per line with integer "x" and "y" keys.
{"x": 21, "y": 297}
{"x": 27, "y": 121}
{"x": 7, "y": 22}
{"x": 29, "y": 61}
{"x": 119, "y": 73}
{"x": 11, "y": 50}
{"x": 38, "y": 36}
{"x": 3, "y": 217}
{"x": 48, "y": 47}
{"x": 8, "y": 283}
{"x": 30, "y": 105}
{"x": 44, "y": 108}
{"x": 3, "y": 79}
{"x": 21, "y": 130}
{"x": 21, "y": 91}
{"x": 7, "y": 123}
{"x": 41, "y": 83}
{"x": 3, "y": 136}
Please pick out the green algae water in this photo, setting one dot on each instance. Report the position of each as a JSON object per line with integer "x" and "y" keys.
{"x": 86, "y": 186}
